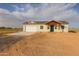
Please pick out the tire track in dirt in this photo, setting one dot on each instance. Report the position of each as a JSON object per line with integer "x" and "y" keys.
{"x": 6, "y": 42}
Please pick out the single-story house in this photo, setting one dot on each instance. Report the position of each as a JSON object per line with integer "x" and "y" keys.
{"x": 45, "y": 26}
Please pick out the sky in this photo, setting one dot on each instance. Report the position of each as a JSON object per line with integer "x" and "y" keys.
{"x": 15, "y": 14}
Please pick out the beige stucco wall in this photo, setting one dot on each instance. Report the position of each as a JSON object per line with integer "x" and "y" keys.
{"x": 57, "y": 29}
{"x": 62, "y": 30}
{"x": 45, "y": 28}
{"x": 66, "y": 28}
{"x": 37, "y": 28}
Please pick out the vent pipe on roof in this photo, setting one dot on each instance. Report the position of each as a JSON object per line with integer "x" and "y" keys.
{"x": 30, "y": 21}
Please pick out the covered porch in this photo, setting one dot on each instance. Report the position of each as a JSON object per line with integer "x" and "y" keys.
{"x": 55, "y": 26}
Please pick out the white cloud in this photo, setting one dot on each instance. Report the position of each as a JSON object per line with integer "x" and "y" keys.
{"x": 8, "y": 19}
{"x": 4, "y": 11}
{"x": 43, "y": 12}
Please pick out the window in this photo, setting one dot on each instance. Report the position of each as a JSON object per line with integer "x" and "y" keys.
{"x": 41, "y": 27}
{"x": 48, "y": 27}
{"x": 55, "y": 27}
{"x": 62, "y": 27}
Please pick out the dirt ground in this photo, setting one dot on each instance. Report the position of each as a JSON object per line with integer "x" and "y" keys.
{"x": 45, "y": 44}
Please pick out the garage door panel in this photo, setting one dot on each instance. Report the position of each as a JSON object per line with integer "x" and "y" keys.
{"x": 31, "y": 29}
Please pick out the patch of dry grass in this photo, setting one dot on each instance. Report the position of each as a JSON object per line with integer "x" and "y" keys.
{"x": 5, "y": 31}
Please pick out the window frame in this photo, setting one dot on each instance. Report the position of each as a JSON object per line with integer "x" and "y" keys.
{"x": 55, "y": 27}
{"x": 48, "y": 27}
{"x": 41, "y": 27}
{"x": 62, "y": 27}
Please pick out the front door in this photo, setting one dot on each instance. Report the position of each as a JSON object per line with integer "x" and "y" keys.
{"x": 51, "y": 28}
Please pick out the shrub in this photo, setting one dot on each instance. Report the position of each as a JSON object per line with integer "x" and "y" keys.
{"x": 72, "y": 31}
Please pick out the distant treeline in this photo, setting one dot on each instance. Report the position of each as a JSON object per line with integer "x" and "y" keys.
{"x": 8, "y": 28}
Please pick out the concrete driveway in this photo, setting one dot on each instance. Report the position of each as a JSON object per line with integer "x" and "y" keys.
{"x": 7, "y": 41}
{"x": 21, "y": 33}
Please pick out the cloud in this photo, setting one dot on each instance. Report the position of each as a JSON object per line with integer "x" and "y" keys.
{"x": 2, "y": 11}
{"x": 23, "y": 12}
{"x": 8, "y": 19}
{"x": 45, "y": 11}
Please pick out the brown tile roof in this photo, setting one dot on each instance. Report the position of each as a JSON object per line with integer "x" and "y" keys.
{"x": 35, "y": 22}
{"x": 63, "y": 22}
{"x": 44, "y": 22}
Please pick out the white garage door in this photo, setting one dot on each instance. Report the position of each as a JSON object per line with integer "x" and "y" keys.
{"x": 31, "y": 29}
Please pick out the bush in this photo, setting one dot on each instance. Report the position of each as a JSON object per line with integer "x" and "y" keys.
{"x": 72, "y": 31}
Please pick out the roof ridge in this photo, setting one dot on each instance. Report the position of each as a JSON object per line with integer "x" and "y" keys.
{"x": 41, "y": 22}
